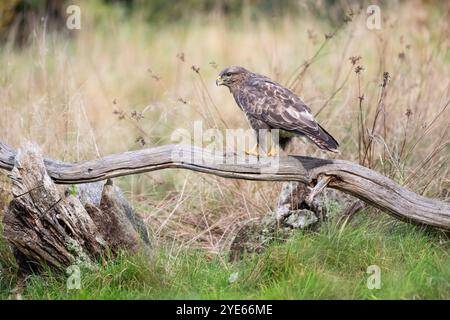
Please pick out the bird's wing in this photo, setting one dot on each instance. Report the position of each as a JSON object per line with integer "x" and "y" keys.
{"x": 280, "y": 108}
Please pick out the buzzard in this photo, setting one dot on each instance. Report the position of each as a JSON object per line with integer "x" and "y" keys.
{"x": 268, "y": 105}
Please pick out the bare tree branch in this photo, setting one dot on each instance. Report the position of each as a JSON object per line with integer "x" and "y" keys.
{"x": 361, "y": 182}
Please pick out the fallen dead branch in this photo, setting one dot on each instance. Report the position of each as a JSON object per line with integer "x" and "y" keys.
{"x": 361, "y": 182}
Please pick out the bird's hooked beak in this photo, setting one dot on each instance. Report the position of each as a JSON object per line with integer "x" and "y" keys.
{"x": 219, "y": 81}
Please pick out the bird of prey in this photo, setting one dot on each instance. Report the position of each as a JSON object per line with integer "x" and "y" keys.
{"x": 268, "y": 105}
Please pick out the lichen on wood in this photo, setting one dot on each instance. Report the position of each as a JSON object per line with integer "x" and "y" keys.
{"x": 46, "y": 227}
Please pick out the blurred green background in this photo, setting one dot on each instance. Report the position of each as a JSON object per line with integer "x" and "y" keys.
{"x": 19, "y": 17}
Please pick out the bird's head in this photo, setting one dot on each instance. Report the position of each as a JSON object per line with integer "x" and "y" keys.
{"x": 231, "y": 76}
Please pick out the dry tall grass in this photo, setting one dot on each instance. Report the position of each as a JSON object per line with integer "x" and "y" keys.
{"x": 123, "y": 84}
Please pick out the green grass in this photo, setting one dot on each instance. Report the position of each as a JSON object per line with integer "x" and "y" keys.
{"x": 328, "y": 264}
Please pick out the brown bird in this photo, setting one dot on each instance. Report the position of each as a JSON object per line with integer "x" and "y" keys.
{"x": 268, "y": 105}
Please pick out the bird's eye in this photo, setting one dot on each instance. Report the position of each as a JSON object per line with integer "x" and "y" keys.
{"x": 228, "y": 74}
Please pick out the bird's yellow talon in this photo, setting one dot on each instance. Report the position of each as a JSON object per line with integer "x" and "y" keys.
{"x": 253, "y": 151}
{"x": 273, "y": 151}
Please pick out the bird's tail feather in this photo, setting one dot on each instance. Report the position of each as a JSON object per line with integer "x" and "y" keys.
{"x": 324, "y": 140}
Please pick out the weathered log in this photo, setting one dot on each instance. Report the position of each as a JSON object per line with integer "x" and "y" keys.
{"x": 363, "y": 183}
{"x": 113, "y": 215}
{"x": 47, "y": 228}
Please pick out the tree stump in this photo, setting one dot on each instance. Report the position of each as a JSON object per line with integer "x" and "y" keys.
{"x": 46, "y": 227}
{"x": 293, "y": 211}
{"x": 296, "y": 209}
